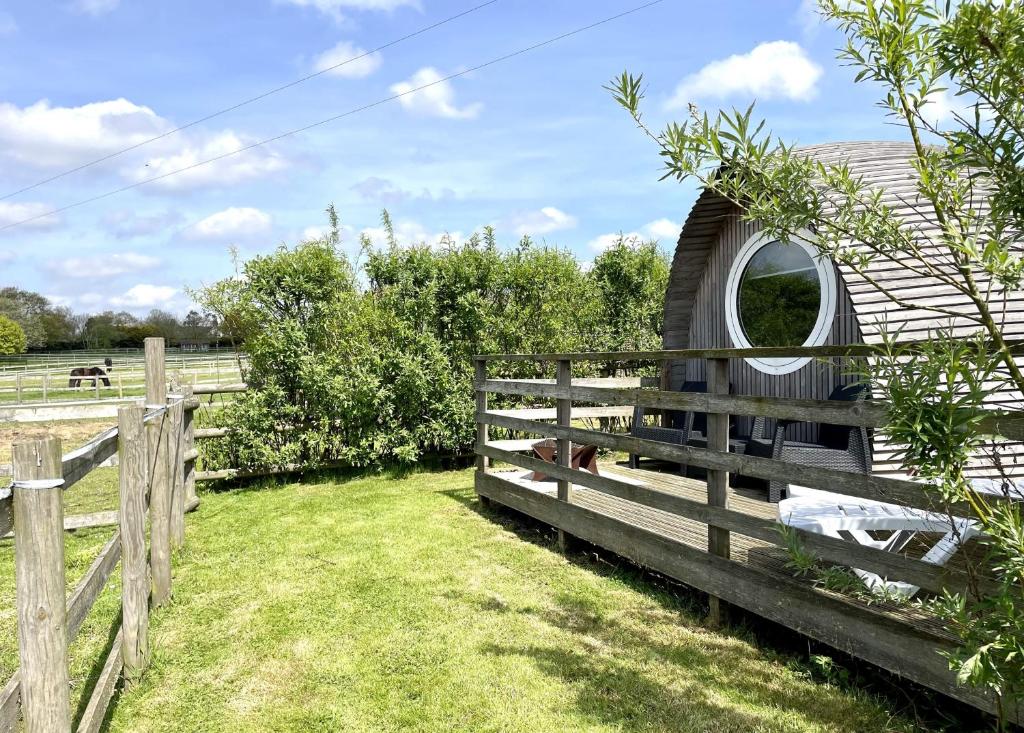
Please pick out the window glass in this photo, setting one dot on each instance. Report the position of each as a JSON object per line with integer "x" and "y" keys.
{"x": 779, "y": 296}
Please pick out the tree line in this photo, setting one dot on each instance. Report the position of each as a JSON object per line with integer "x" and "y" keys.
{"x": 30, "y": 322}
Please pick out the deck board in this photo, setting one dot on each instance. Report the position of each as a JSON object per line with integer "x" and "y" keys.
{"x": 762, "y": 555}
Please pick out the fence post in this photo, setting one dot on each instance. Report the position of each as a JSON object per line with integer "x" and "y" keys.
{"x": 40, "y": 585}
{"x": 718, "y": 480}
{"x": 189, "y": 432}
{"x": 17, "y": 387}
{"x": 482, "y": 431}
{"x": 176, "y": 456}
{"x": 158, "y": 447}
{"x": 132, "y": 456}
{"x": 120, "y": 385}
{"x": 96, "y": 386}
{"x": 46, "y": 379}
{"x": 563, "y": 413}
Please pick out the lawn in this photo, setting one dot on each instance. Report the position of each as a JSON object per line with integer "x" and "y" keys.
{"x": 380, "y": 604}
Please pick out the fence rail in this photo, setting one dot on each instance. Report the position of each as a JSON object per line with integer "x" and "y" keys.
{"x": 156, "y": 486}
{"x": 723, "y": 577}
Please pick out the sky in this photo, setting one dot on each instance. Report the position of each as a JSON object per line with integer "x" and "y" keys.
{"x": 531, "y": 145}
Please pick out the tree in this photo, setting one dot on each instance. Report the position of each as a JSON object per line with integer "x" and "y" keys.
{"x": 632, "y": 277}
{"x": 974, "y": 49}
{"x": 27, "y": 310}
{"x": 12, "y": 337}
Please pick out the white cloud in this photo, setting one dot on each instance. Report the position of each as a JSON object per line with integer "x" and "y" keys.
{"x": 410, "y": 232}
{"x": 355, "y": 62}
{"x": 95, "y": 7}
{"x": 337, "y": 8}
{"x": 48, "y": 137}
{"x": 8, "y": 26}
{"x": 14, "y": 213}
{"x": 128, "y": 224}
{"x": 388, "y": 193}
{"x": 145, "y": 295}
{"x": 245, "y": 166}
{"x": 103, "y": 264}
{"x": 235, "y": 221}
{"x": 773, "y": 70}
{"x": 543, "y": 221}
{"x": 664, "y": 230}
{"x": 435, "y": 100}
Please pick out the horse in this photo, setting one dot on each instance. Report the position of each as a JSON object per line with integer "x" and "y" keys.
{"x": 93, "y": 372}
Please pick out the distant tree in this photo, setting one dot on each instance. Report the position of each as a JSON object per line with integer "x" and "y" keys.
{"x": 62, "y": 328}
{"x": 162, "y": 323}
{"x": 12, "y": 337}
{"x": 27, "y": 310}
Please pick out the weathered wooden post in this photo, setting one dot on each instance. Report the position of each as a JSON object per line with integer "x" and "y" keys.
{"x": 132, "y": 456}
{"x": 40, "y": 585}
{"x": 158, "y": 447}
{"x": 563, "y": 413}
{"x": 176, "y": 423}
{"x": 190, "y": 445}
{"x": 718, "y": 480}
{"x": 482, "y": 429}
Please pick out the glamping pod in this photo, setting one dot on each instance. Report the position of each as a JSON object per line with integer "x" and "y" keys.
{"x": 730, "y": 287}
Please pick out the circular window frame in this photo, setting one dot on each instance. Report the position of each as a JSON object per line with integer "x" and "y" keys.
{"x": 826, "y": 309}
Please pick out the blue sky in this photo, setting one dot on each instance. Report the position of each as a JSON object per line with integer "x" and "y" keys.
{"x": 532, "y": 145}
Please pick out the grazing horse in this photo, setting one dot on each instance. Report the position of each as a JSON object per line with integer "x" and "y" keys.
{"x": 94, "y": 372}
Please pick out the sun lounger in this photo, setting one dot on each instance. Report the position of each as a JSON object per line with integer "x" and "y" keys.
{"x": 855, "y": 519}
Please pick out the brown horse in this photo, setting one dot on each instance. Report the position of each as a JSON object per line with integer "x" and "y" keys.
{"x": 94, "y": 372}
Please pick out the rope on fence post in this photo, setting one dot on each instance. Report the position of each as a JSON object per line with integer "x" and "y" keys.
{"x": 132, "y": 453}
{"x": 40, "y": 585}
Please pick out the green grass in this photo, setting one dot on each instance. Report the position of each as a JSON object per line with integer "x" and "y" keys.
{"x": 380, "y": 604}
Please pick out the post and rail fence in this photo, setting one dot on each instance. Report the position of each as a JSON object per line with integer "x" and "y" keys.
{"x": 156, "y": 479}
{"x": 614, "y": 512}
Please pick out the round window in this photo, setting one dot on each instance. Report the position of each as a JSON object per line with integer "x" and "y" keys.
{"x": 779, "y": 294}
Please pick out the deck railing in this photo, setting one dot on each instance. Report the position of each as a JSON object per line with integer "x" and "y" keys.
{"x": 717, "y": 572}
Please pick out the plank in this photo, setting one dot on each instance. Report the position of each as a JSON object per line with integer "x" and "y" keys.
{"x": 91, "y": 584}
{"x": 866, "y": 486}
{"x": 103, "y": 691}
{"x": 766, "y": 529}
{"x": 219, "y": 388}
{"x": 10, "y": 704}
{"x": 83, "y": 521}
{"x": 79, "y": 462}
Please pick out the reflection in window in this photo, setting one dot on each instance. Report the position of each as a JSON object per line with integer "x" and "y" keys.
{"x": 779, "y": 296}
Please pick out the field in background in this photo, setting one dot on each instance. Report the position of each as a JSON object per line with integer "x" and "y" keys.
{"x": 43, "y": 378}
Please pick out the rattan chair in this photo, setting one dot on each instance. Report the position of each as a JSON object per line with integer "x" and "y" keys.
{"x": 842, "y": 447}
{"x": 685, "y": 426}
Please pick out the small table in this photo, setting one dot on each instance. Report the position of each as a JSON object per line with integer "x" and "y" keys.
{"x": 583, "y": 456}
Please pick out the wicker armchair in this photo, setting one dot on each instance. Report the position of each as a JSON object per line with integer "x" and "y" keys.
{"x": 685, "y": 426}
{"x": 841, "y": 447}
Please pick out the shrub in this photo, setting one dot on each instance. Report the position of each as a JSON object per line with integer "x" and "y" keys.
{"x": 12, "y": 337}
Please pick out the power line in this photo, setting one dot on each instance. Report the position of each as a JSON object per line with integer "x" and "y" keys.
{"x": 248, "y": 101}
{"x": 334, "y": 118}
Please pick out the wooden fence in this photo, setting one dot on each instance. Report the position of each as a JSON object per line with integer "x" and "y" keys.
{"x": 156, "y": 482}
{"x": 890, "y": 638}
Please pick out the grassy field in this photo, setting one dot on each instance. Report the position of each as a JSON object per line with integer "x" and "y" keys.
{"x": 381, "y": 604}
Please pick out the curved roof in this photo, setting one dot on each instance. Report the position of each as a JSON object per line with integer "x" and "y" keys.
{"x": 882, "y": 165}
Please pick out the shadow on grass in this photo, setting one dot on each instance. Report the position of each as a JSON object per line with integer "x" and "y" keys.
{"x": 601, "y": 679}
{"x": 94, "y": 674}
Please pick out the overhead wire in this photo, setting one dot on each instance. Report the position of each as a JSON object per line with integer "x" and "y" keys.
{"x": 245, "y": 102}
{"x": 334, "y": 118}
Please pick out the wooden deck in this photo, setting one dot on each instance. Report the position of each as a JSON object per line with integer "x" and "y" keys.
{"x": 899, "y": 638}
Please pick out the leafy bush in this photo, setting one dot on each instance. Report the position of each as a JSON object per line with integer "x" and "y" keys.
{"x": 12, "y": 337}
{"x": 361, "y": 374}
